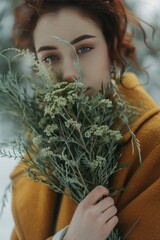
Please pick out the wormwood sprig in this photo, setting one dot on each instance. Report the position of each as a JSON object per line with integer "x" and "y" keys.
{"x": 5, "y": 198}
{"x": 74, "y": 141}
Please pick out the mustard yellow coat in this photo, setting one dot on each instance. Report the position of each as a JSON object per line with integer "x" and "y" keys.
{"x": 39, "y": 212}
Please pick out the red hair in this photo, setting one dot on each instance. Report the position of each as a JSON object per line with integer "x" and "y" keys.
{"x": 111, "y": 15}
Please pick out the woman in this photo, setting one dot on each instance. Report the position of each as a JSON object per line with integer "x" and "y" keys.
{"x": 98, "y": 31}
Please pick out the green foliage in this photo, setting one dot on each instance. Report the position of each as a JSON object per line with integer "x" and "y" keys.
{"x": 66, "y": 139}
{"x": 5, "y": 198}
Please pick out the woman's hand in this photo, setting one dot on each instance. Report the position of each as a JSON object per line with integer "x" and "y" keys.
{"x": 94, "y": 218}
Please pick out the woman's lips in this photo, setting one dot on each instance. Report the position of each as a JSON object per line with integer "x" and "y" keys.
{"x": 89, "y": 91}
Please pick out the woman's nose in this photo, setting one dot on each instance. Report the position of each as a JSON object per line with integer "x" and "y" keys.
{"x": 69, "y": 71}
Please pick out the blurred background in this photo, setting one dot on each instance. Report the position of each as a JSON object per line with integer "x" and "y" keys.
{"x": 145, "y": 9}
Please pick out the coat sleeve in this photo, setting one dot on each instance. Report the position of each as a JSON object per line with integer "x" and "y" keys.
{"x": 59, "y": 235}
{"x": 33, "y": 207}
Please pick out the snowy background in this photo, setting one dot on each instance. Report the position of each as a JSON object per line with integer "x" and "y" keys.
{"x": 146, "y": 9}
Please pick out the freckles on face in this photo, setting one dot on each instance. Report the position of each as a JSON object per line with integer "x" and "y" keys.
{"x": 85, "y": 36}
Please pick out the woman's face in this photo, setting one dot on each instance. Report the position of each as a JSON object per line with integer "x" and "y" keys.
{"x": 86, "y": 37}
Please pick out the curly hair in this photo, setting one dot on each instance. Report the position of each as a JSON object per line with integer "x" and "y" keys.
{"x": 111, "y": 15}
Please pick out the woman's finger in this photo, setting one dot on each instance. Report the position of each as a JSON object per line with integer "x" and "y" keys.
{"x": 108, "y": 214}
{"x": 104, "y": 204}
{"x": 95, "y": 195}
{"x": 111, "y": 223}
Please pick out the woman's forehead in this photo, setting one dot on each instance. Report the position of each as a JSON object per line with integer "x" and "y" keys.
{"x": 67, "y": 24}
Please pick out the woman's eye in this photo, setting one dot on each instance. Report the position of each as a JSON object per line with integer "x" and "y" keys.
{"x": 50, "y": 59}
{"x": 84, "y": 49}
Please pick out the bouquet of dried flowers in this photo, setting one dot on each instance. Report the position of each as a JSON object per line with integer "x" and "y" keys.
{"x": 74, "y": 141}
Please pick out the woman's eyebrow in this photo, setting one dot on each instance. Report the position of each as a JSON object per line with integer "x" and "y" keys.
{"x": 74, "y": 41}
{"x": 45, "y": 48}
{"x": 80, "y": 38}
